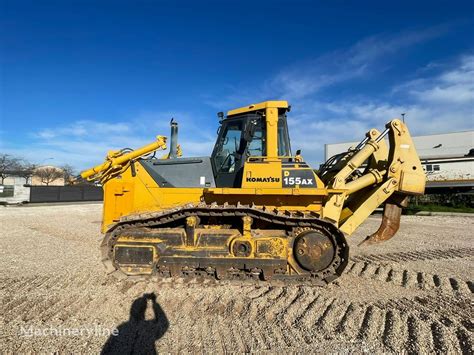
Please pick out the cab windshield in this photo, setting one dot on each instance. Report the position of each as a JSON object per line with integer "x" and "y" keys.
{"x": 234, "y": 142}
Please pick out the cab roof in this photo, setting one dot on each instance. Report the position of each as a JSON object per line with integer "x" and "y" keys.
{"x": 259, "y": 106}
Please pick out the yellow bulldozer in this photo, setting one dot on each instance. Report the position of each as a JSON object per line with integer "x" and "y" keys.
{"x": 252, "y": 210}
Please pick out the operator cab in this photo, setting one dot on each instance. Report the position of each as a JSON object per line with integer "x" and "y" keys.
{"x": 244, "y": 135}
{"x": 256, "y": 134}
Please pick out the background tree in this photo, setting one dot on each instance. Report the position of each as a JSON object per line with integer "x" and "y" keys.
{"x": 26, "y": 170}
{"x": 48, "y": 174}
{"x": 69, "y": 174}
{"x": 8, "y": 165}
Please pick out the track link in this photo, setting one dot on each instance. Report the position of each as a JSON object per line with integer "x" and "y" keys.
{"x": 284, "y": 220}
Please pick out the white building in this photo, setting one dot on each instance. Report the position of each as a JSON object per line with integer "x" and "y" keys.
{"x": 14, "y": 190}
{"x": 448, "y": 159}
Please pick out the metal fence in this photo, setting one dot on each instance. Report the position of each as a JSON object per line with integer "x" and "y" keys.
{"x": 65, "y": 193}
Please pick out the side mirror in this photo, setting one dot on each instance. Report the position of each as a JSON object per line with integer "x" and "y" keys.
{"x": 250, "y": 130}
{"x": 298, "y": 152}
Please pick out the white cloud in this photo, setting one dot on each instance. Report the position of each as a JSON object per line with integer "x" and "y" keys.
{"x": 455, "y": 86}
{"x": 452, "y": 94}
{"x": 432, "y": 104}
{"x": 83, "y": 128}
{"x": 438, "y": 98}
{"x": 85, "y": 143}
{"x": 305, "y": 78}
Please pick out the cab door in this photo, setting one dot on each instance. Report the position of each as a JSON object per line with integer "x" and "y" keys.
{"x": 228, "y": 158}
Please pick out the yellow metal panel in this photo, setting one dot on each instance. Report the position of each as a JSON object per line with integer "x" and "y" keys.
{"x": 272, "y": 132}
{"x": 405, "y": 164}
{"x": 259, "y": 106}
{"x": 262, "y": 174}
{"x": 270, "y": 191}
{"x": 370, "y": 203}
{"x": 140, "y": 193}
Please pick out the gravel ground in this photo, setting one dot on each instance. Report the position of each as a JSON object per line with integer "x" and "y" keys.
{"x": 413, "y": 293}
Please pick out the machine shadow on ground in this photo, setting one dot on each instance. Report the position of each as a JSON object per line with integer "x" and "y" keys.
{"x": 138, "y": 335}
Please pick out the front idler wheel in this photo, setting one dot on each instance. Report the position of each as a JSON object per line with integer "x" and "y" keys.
{"x": 313, "y": 250}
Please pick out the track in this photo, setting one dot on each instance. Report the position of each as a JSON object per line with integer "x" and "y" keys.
{"x": 225, "y": 266}
{"x": 388, "y": 300}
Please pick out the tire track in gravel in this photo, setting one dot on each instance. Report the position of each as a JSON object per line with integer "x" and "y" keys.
{"x": 408, "y": 278}
{"x": 380, "y": 305}
{"x": 65, "y": 307}
{"x": 234, "y": 325}
{"x": 394, "y": 329}
{"x": 20, "y": 310}
{"x": 347, "y": 315}
{"x": 272, "y": 317}
{"x": 306, "y": 311}
{"x": 269, "y": 307}
{"x": 321, "y": 315}
{"x": 31, "y": 291}
{"x": 233, "y": 305}
{"x": 39, "y": 308}
{"x": 185, "y": 336}
{"x": 418, "y": 329}
{"x": 45, "y": 305}
{"x": 13, "y": 283}
{"x": 264, "y": 316}
{"x": 258, "y": 291}
{"x": 277, "y": 314}
{"x": 77, "y": 307}
{"x": 465, "y": 341}
{"x": 215, "y": 331}
{"x": 333, "y": 315}
{"x": 225, "y": 335}
{"x": 430, "y": 254}
{"x": 253, "y": 315}
{"x": 426, "y": 328}
{"x": 36, "y": 282}
{"x": 314, "y": 315}
{"x": 302, "y": 297}
{"x": 229, "y": 323}
{"x": 276, "y": 318}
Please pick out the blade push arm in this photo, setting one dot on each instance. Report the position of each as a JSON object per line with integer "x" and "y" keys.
{"x": 391, "y": 173}
{"x": 117, "y": 162}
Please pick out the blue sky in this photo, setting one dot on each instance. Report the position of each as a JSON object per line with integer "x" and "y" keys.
{"x": 81, "y": 77}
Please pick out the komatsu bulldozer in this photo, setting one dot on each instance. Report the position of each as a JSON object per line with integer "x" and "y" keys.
{"x": 252, "y": 210}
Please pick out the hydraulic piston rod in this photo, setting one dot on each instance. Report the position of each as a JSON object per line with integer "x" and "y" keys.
{"x": 358, "y": 159}
{"x": 116, "y": 160}
{"x": 372, "y": 177}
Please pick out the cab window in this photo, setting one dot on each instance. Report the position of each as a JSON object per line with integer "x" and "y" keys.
{"x": 229, "y": 145}
{"x": 283, "y": 139}
{"x": 256, "y": 147}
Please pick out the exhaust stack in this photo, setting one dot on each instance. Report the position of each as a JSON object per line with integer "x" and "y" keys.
{"x": 174, "y": 139}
